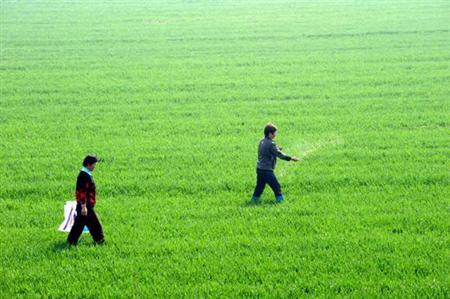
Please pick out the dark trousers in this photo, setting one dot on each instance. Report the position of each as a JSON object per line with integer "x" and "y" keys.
{"x": 91, "y": 221}
{"x": 264, "y": 177}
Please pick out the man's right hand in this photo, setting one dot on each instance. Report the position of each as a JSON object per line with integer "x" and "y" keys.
{"x": 295, "y": 159}
{"x": 83, "y": 210}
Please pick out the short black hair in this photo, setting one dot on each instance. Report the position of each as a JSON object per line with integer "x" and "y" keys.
{"x": 269, "y": 129}
{"x": 89, "y": 160}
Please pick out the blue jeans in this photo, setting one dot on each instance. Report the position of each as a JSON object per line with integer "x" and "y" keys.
{"x": 264, "y": 177}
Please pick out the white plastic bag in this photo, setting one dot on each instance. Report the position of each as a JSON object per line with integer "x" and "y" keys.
{"x": 70, "y": 212}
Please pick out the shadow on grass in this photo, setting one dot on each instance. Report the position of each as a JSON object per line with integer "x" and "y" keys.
{"x": 59, "y": 246}
{"x": 261, "y": 204}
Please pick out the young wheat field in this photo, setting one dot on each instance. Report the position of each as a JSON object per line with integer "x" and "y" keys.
{"x": 173, "y": 96}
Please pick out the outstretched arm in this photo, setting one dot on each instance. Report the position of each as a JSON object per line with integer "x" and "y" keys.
{"x": 276, "y": 150}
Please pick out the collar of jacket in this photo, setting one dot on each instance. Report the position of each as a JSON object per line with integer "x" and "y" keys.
{"x": 85, "y": 169}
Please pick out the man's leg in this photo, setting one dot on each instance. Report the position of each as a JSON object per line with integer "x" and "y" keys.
{"x": 95, "y": 227}
{"x": 260, "y": 185}
{"x": 77, "y": 228}
{"x": 275, "y": 185}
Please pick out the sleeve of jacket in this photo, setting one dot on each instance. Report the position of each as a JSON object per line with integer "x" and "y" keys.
{"x": 278, "y": 153}
{"x": 83, "y": 186}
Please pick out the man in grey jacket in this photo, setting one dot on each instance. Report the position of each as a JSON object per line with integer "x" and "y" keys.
{"x": 268, "y": 152}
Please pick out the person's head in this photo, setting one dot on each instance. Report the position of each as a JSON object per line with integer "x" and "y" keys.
{"x": 90, "y": 161}
{"x": 270, "y": 131}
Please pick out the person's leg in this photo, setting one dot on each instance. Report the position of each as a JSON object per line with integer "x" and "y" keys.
{"x": 77, "y": 228}
{"x": 260, "y": 185}
{"x": 95, "y": 227}
{"x": 275, "y": 185}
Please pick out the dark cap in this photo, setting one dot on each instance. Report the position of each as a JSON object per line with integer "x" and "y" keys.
{"x": 89, "y": 160}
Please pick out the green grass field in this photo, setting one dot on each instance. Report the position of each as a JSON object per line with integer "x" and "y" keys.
{"x": 174, "y": 95}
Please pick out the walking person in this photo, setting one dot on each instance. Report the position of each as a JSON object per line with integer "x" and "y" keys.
{"x": 85, "y": 194}
{"x": 268, "y": 152}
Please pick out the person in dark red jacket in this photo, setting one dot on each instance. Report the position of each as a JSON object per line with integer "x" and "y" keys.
{"x": 85, "y": 196}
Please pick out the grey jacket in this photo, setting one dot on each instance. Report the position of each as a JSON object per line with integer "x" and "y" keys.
{"x": 268, "y": 152}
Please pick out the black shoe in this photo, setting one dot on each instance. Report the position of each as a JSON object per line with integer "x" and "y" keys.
{"x": 69, "y": 244}
{"x": 101, "y": 242}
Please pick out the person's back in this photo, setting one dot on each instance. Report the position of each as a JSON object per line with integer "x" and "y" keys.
{"x": 268, "y": 152}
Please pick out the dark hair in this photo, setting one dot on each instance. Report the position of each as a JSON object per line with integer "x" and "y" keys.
{"x": 89, "y": 160}
{"x": 269, "y": 129}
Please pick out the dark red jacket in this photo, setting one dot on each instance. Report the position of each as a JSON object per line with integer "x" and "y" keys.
{"x": 85, "y": 189}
